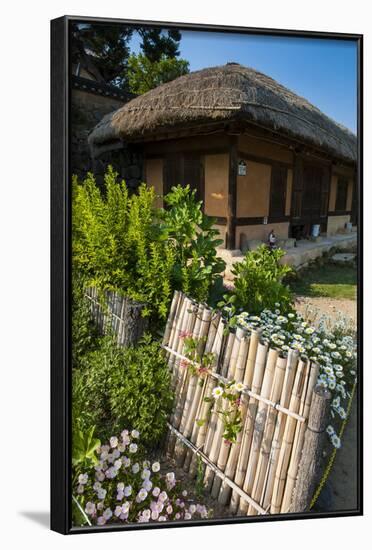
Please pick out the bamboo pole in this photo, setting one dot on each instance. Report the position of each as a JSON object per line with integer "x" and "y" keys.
{"x": 209, "y": 335}
{"x": 214, "y": 419}
{"x": 186, "y": 323}
{"x": 287, "y": 440}
{"x": 299, "y": 436}
{"x": 209, "y": 384}
{"x": 206, "y": 319}
{"x": 260, "y": 420}
{"x": 227, "y": 353}
{"x": 176, "y": 322}
{"x": 263, "y": 460}
{"x": 227, "y": 450}
{"x": 215, "y": 431}
{"x": 290, "y": 372}
{"x": 183, "y": 371}
{"x": 240, "y": 365}
{"x": 247, "y": 379}
{"x": 258, "y": 373}
{"x": 190, "y": 383}
{"x": 171, "y": 317}
{"x": 308, "y": 470}
{"x": 175, "y": 345}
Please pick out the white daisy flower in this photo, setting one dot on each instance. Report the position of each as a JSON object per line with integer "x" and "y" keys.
{"x": 217, "y": 392}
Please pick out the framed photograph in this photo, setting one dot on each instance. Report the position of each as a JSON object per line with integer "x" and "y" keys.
{"x": 206, "y": 274}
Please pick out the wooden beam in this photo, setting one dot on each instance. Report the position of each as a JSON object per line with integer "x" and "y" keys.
{"x": 232, "y": 193}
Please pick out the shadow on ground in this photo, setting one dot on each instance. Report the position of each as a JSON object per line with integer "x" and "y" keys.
{"x": 41, "y": 518}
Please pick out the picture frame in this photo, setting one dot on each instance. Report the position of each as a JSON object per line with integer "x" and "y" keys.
{"x": 61, "y": 266}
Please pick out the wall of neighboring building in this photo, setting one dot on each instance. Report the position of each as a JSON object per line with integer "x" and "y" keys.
{"x": 87, "y": 109}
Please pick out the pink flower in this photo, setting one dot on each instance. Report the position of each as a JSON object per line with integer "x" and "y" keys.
{"x": 90, "y": 508}
{"x": 114, "y": 441}
{"x": 185, "y": 334}
{"x": 163, "y": 496}
{"x": 100, "y": 476}
{"x": 101, "y": 520}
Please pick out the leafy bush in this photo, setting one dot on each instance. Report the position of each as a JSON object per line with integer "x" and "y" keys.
{"x": 122, "y": 242}
{"x": 258, "y": 283}
{"x": 123, "y": 488}
{"x": 116, "y": 243}
{"x": 120, "y": 386}
{"x": 83, "y": 330}
{"x": 197, "y": 268}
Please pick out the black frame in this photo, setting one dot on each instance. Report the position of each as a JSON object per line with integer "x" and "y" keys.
{"x": 61, "y": 273}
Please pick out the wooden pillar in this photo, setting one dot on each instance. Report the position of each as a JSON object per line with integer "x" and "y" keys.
{"x": 309, "y": 466}
{"x": 232, "y": 192}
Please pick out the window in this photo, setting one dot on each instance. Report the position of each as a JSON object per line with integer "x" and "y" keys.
{"x": 341, "y": 195}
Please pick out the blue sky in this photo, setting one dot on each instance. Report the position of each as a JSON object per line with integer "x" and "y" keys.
{"x": 321, "y": 70}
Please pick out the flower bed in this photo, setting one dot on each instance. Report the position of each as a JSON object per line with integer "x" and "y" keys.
{"x": 122, "y": 486}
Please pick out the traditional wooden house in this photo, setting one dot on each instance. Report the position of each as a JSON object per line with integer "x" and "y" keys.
{"x": 258, "y": 155}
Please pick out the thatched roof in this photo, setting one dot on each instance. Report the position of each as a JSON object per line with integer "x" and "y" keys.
{"x": 229, "y": 93}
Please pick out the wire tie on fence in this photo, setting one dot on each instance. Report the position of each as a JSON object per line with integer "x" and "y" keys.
{"x": 315, "y": 431}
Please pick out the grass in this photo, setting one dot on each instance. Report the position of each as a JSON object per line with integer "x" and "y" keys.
{"x": 328, "y": 281}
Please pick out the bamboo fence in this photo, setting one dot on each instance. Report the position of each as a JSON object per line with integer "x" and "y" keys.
{"x": 258, "y": 472}
{"x": 117, "y": 314}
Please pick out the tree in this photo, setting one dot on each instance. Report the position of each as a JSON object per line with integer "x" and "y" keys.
{"x": 157, "y": 43}
{"x": 144, "y": 75}
{"x": 103, "y": 50}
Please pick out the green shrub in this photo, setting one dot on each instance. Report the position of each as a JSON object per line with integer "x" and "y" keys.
{"x": 124, "y": 386}
{"x": 258, "y": 283}
{"x": 123, "y": 242}
{"x": 197, "y": 269}
{"x": 83, "y": 330}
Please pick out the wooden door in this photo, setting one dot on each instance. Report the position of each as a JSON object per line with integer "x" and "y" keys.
{"x": 278, "y": 192}
{"x": 310, "y": 196}
{"x": 184, "y": 169}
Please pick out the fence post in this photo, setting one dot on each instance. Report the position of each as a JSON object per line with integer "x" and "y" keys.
{"x": 308, "y": 469}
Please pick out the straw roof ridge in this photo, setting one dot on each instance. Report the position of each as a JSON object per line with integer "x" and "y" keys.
{"x": 227, "y": 93}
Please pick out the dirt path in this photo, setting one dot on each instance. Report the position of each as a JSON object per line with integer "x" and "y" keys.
{"x": 332, "y": 308}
